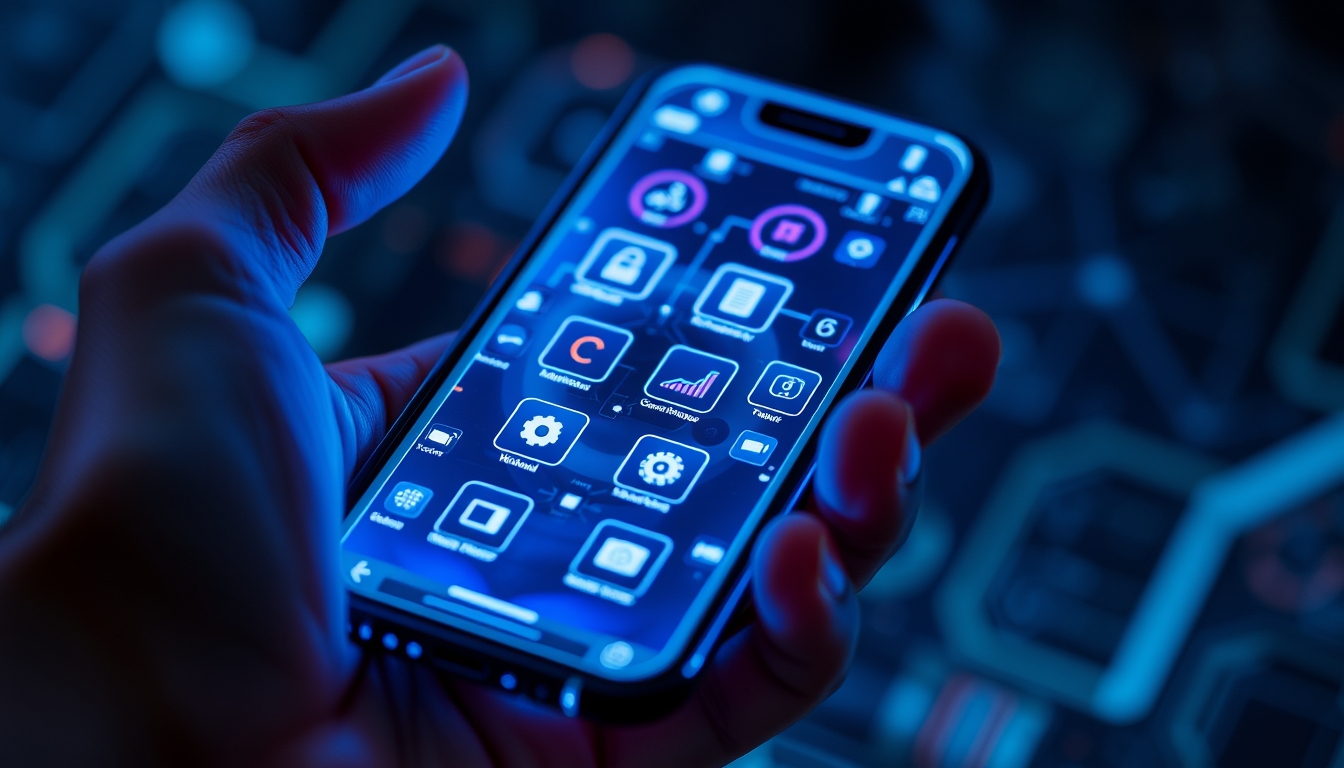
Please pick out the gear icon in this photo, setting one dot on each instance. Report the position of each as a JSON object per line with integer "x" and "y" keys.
{"x": 661, "y": 468}
{"x": 540, "y": 430}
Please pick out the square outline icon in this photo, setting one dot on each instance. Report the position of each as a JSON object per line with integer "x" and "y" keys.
{"x": 653, "y": 569}
{"x": 771, "y": 444}
{"x": 668, "y": 354}
{"x": 629, "y": 339}
{"x": 507, "y": 539}
{"x": 807, "y": 400}
{"x": 419, "y": 507}
{"x": 849, "y": 324}
{"x": 668, "y": 250}
{"x": 752, "y": 273}
{"x": 615, "y": 478}
{"x": 563, "y": 456}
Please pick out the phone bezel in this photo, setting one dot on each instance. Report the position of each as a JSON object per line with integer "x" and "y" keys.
{"x": 471, "y": 655}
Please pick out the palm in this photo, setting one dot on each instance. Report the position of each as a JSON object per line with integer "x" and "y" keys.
{"x": 187, "y": 513}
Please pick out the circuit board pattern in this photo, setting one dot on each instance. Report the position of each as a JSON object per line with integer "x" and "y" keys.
{"x": 1132, "y": 556}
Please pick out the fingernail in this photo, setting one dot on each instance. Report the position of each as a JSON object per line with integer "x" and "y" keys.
{"x": 834, "y": 580}
{"x": 913, "y": 460}
{"x": 431, "y": 55}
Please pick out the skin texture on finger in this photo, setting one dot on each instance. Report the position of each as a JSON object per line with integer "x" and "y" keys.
{"x": 183, "y": 533}
{"x": 764, "y": 678}
{"x": 941, "y": 360}
{"x": 286, "y": 178}
{"x": 867, "y": 457}
{"x": 936, "y": 368}
{"x": 373, "y": 391}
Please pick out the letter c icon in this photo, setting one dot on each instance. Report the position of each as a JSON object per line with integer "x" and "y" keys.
{"x": 579, "y": 342}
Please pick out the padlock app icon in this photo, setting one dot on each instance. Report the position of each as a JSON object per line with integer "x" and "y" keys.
{"x": 625, "y": 267}
{"x": 625, "y": 264}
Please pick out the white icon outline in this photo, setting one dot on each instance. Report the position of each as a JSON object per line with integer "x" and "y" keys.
{"x": 656, "y": 371}
{"x": 803, "y": 406}
{"x": 668, "y": 250}
{"x": 752, "y": 447}
{"x": 505, "y": 426}
{"x": 458, "y": 535}
{"x": 625, "y": 332}
{"x": 642, "y": 454}
{"x": 596, "y": 536}
{"x": 754, "y": 274}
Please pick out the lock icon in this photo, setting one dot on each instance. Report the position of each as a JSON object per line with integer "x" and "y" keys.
{"x": 624, "y": 268}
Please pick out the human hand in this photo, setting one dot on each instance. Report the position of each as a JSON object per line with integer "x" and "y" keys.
{"x": 171, "y": 592}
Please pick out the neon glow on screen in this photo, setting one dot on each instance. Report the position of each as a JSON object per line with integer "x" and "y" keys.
{"x": 582, "y": 483}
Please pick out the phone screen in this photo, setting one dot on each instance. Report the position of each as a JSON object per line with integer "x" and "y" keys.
{"x": 589, "y": 471}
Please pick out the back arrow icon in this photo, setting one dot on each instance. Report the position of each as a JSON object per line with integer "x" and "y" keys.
{"x": 360, "y": 570}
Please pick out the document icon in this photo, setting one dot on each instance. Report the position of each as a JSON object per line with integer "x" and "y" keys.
{"x": 742, "y": 297}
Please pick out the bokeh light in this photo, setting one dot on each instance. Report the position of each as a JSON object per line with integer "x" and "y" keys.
{"x": 49, "y": 332}
{"x": 602, "y": 61}
{"x": 203, "y": 43}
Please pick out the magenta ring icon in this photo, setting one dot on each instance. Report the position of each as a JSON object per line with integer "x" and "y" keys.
{"x": 802, "y": 212}
{"x": 699, "y": 196}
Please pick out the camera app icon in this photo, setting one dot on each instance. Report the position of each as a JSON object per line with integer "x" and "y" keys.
{"x": 622, "y": 556}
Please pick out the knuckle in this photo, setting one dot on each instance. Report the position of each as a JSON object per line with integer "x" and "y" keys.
{"x": 145, "y": 264}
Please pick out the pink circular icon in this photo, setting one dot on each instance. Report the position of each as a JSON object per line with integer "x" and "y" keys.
{"x": 668, "y": 198}
{"x": 786, "y": 231}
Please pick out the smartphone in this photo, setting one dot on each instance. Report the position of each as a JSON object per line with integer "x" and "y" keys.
{"x": 567, "y": 508}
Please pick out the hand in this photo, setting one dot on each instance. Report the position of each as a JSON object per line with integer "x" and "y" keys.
{"x": 171, "y": 592}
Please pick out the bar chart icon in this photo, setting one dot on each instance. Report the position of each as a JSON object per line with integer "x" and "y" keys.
{"x": 691, "y": 379}
{"x": 691, "y": 388}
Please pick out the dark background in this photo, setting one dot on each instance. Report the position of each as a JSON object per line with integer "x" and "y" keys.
{"x": 1164, "y": 255}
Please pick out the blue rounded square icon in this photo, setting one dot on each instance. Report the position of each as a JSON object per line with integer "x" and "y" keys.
{"x": 407, "y": 499}
{"x": 860, "y": 249}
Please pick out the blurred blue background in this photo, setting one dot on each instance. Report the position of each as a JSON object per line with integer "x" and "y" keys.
{"x": 1132, "y": 556}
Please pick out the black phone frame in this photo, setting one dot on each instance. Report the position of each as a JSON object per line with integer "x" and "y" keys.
{"x": 574, "y": 692}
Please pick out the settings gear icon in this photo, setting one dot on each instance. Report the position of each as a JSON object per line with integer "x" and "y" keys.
{"x": 661, "y": 468}
{"x": 540, "y": 430}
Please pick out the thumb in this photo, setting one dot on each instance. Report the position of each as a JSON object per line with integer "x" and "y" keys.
{"x": 288, "y": 177}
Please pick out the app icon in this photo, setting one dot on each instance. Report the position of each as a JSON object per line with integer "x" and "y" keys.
{"x": 622, "y": 555}
{"x": 717, "y": 164}
{"x": 710, "y": 102}
{"x": 926, "y": 188}
{"x": 787, "y": 232}
{"x": 753, "y": 447}
{"x": 541, "y": 431}
{"x": 407, "y": 499}
{"x": 826, "y": 327}
{"x": 668, "y": 198}
{"x": 509, "y": 340}
{"x": 440, "y": 438}
{"x": 743, "y": 297}
{"x": 914, "y": 158}
{"x": 869, "y": 207}
{"x": 625, "y": 263}
{"x": 586, "y": 348}
{"x": 690, "y": 378}
{"x": 617, "y": 655}
{"x": 484, "y": 514}
{"x": 784, "y": 388}
{"x": 663, "y": 468}
{"x": 532, "y": 301}
{"x": 860, "y": 249}
{"x": 706, "y": 550}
